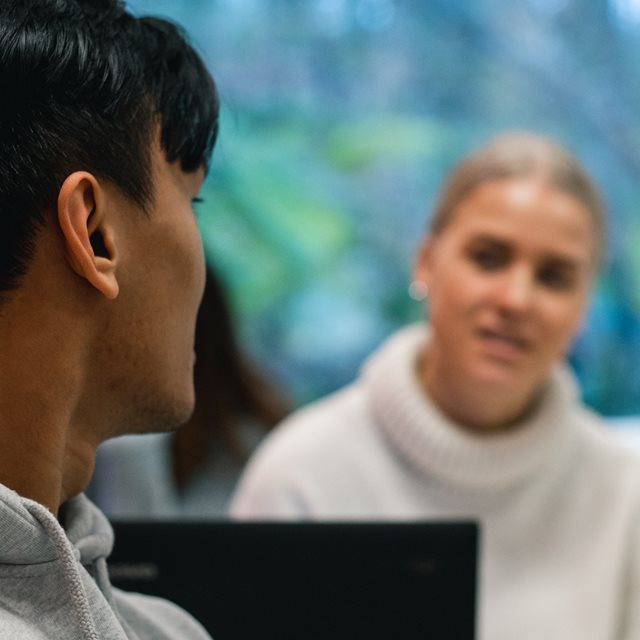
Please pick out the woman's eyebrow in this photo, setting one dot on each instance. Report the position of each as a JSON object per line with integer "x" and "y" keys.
{"x": 564, "y": 261}
{"x": 486, "y": 238}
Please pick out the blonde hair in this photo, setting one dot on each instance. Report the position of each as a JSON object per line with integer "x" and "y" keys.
{"x": 520, "y": 154}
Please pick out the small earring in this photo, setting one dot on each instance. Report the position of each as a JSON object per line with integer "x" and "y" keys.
{"x": 418, "y": 290}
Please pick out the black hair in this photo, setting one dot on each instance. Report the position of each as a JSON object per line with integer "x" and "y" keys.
{"x": 87, "y": 86}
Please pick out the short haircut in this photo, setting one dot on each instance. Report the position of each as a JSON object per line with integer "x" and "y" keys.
{"x": 88, "y": 86}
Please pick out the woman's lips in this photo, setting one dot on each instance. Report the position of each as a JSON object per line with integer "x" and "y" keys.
{"x": 503, "y": 345}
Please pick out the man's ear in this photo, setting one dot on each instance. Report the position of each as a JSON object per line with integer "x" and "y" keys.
{"x": 88, "y": 236}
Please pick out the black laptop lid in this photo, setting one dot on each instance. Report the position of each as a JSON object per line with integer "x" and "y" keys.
{"x": 308, "y": 581}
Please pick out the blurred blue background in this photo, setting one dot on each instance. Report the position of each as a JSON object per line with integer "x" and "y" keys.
{"x": 339, "y": 120}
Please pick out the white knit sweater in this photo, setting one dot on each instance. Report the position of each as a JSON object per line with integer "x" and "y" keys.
{"x": 558, "y": 498}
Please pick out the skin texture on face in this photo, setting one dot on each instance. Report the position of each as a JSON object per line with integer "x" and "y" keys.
{"x": 98, "y": 339}
{"x": 508, "y": 279}
{"x": 148, "y": 345}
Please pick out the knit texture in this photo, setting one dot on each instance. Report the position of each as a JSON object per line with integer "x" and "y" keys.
{"x": 427, "y": 439}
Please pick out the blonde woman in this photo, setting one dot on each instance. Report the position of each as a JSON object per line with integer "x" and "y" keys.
{"x": 475, "y": 413}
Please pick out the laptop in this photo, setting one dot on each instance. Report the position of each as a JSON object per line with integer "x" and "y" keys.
{"x": 308, "y": 581}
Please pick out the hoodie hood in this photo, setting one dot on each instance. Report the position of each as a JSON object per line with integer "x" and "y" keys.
{"x": 26, "y": 527}
{"x": 55, "y": 582}
{"x": 24, "y": 539}
{"x": 88, "y": 529}
{"x": 32, "y": 539}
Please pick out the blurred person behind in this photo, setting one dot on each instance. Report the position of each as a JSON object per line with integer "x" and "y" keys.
{"x": 475, "y": 413}
{"x": 191, "y": 473}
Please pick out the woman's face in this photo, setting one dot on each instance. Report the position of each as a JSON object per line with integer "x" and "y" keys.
{"x": 508, "y": 279}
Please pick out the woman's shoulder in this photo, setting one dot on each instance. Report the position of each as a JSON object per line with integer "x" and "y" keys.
{"x": 611, "y": 447}
{"x": 337, "y": 420}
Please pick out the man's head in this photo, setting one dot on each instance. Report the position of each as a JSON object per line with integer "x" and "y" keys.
{"x": 105, "y": 138}
{"x": 87, "y": 87}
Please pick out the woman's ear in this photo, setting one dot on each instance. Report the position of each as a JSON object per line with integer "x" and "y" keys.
{"x": 88, "y": 237}
{"x": 423, "y": 267}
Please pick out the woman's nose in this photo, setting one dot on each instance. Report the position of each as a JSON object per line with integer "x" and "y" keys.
{"x": 515, "y": 290}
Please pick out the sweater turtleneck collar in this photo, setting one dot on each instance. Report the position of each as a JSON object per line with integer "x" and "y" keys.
{"x": 439, "y": 448}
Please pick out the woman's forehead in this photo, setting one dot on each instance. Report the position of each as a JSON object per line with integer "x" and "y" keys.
{"x": 526, "y": 212}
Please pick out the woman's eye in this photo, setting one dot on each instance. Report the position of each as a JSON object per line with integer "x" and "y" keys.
{"x": 488, "y": 258}
{"x": 197, "y": 200}
{"x": 555, "y": 278}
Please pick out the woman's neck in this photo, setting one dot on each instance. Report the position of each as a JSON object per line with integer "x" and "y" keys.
{"x": 483, "y": 409}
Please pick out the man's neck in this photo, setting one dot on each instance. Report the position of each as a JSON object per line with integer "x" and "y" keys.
{"x": 52, "y": 414}
{"x": 41, "y": 459}
{"x": 44, "y": 452}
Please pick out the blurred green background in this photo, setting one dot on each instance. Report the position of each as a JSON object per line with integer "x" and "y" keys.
{"x": 339, "y": 120}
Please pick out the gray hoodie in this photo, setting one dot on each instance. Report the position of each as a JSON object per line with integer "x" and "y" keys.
{"x": 54, "y": 582}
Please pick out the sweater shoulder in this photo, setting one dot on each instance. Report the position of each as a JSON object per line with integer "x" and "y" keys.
{"x": 335, "y": 422}
{"x": 310, "y": 459}
{"x": 610, "y": 442}
{"x": 605, "y": 450}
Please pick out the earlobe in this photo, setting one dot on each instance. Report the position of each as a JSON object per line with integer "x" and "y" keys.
{"x": 88, "y": 238}
{"x": 423, "y": 263}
